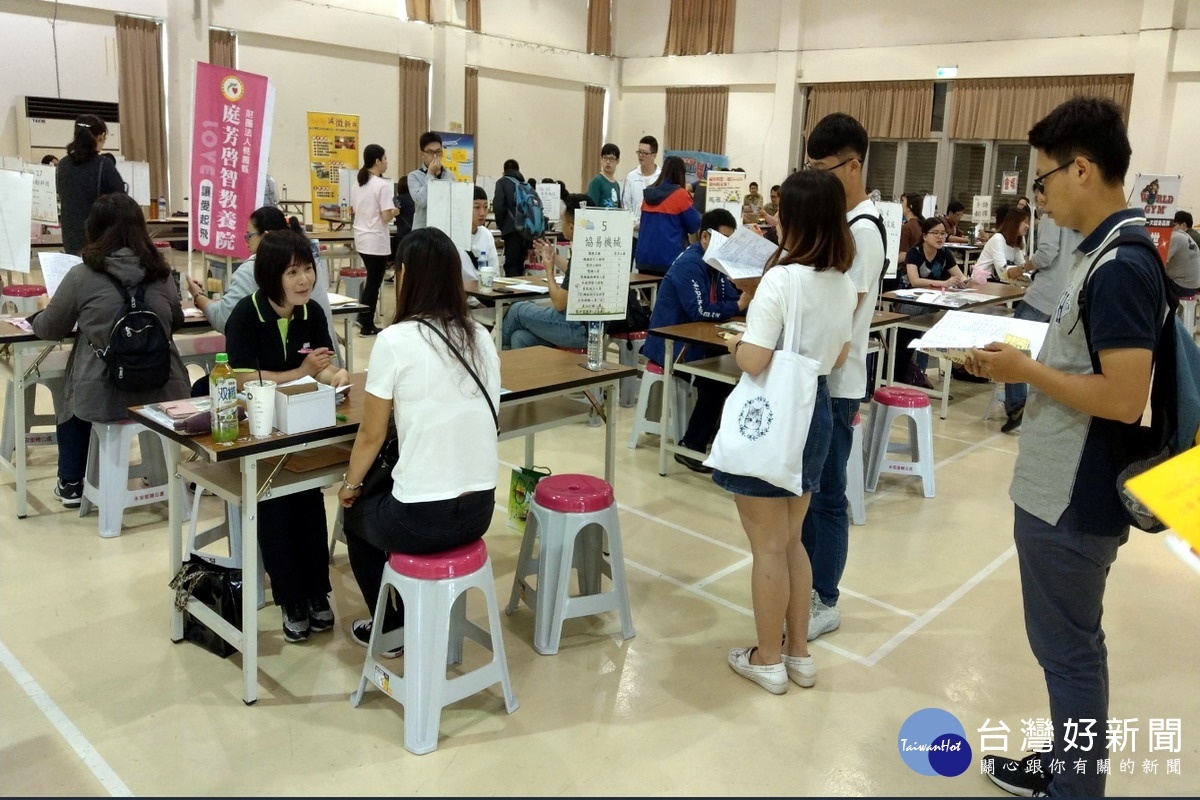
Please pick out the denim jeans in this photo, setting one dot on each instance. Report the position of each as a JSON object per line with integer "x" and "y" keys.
{"x": 1064, "y": 569}
{"x": 826, "y": 532}
{"x": 528, "y": 324}
{"x": 1015, "y": 393}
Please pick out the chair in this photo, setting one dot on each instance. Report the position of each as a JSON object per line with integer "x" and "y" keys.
{"x": 22, "y": 297}
{"x": 651, "y": 379}
{"x": 433, "y": 589}
{"x": 106, "y": 482}
{"x": 573, "y": 522}
{"x": 888, "y": 404}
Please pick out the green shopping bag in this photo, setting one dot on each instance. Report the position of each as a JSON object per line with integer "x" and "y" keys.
{"x": 520, "y": 494}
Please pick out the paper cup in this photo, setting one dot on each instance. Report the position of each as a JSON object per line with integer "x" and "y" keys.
{"x": 260, "y": 406}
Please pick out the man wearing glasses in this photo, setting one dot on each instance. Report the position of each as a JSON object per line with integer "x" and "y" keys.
{"x": 431, "y": 170}
{"x": 604, "y": 191}
{"x": 641, "y": 176}
{"x": 1089, "y": 382}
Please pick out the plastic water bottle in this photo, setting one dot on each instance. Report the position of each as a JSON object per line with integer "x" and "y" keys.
{"x": 222, "y": 390}
{"x": 162, "y": 207}
{"x": 978, "y": 231}
{"x": 345, "y": 212}
{"x": 595, "y": 347}
{"x": 285, "y": 191}
{"x": 487, "y": 273}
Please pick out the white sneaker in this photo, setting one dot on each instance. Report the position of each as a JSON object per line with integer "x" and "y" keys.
{"x": 801, "y": 670}
{"x": 772, "y": 677}
{"x": 822, "y": 618}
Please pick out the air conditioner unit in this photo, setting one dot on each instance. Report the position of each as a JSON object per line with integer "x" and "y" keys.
{"x": 46, "y": 124}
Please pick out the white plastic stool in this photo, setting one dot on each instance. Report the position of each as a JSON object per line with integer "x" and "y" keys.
{"x": 629, "y": 346}
{"x": 1187, "y": 313}
{"x": 433, "y": 590}
{"x": 351, "y": 281}
{"x": 106, "y": 483}
{"x": 653, "y": 377}
{"x": 997, "y": 398}
{"x": 887, "y": 404}
{"x": 573, "y": 521}
{"x": 199, "y": 348}
{"x": 8, "y": 428}
{"x": 855, "y": 493}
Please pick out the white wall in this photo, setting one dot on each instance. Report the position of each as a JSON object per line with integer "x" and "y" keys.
{"x": 538, "y": 22}
{"x": 538, "y": 121}
{"x": 750, "y": 112}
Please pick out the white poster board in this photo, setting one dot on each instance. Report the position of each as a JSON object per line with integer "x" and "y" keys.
{"x": 726, "y": 190}
{"x": 551, "y": 197}
{"x": 16, "y": 211}
{"x": 449, "y": 210}
{"x": 14, "y": 163}
{"x": 600, "y": 256}
{"x": 136, "y": 175}
{"x": 893, "y": 218}
{"x": 45, "y": 193}
{"x": 929, "y": 206}
{"x": 488, "y": 185}
{"x": 981, "y": 208}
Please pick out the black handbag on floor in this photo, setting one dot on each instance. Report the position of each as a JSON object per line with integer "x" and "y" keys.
{"x": 219, "y": 588}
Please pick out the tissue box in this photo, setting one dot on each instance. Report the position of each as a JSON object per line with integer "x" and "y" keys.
{"x": 304, "y": 407}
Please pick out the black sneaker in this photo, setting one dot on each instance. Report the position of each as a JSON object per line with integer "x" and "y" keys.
{"x": 295, "y": 622}
{"x": 360, "y": 631}
{"x": 692, "y": 464}
{"x": 367, "y": 329}
{"x": 320, "y": 615}
{"x": 1022, "y": 777}
{"x": 1014, "y": 420}
{"x": 69, "y": 492}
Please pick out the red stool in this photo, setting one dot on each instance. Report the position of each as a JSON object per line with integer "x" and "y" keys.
{"x": 352, "y": 280}
{"x": 22, "y": 297}
{"x": 887, "y": 404}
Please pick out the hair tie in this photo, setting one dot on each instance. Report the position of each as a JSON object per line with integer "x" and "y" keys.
{"x": 83, "y": 125}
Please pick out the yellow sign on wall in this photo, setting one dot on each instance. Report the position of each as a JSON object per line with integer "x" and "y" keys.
{"x": 332, "y": 146}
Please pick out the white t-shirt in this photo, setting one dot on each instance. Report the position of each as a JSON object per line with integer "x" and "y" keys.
{"x": 482, "y": 240}
{"x": 635, "y": 187}
{"x": 369, "y": 201}
{"x": 998, "y": 255}
{"x": 447, "y": 435}
{"x": 850, "y": 381}
{"x": 819, "y": 304}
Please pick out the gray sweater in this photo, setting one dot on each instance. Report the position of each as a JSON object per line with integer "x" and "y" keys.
{"x": 90, "y": 299}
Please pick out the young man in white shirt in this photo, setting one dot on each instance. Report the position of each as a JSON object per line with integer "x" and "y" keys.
{"x": 838, "y": 144}
{"x": 638, "y": 179}
{"x": 482, "y": 241}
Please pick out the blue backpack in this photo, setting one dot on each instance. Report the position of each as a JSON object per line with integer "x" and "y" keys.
{"x": 528, "y": 217}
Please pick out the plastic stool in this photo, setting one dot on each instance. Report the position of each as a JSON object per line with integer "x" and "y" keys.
{"x": 630, "y": 348}
{"x": 652, "y": 378}
{"x": 1187, "y": 313}
{"x": 22, "y": 297}
{"x": 997, "y": 397}
{"x": 855, "y": 493}
{"x": 573, "y": 521}
{"x": 351, "y": 280}
{"x": 8, "y": 434}
{"x": 106, "y": 483}
{"x": 200, "y": 348}
{"x": 888, "y": 404}
{"x": 433, "y": 589}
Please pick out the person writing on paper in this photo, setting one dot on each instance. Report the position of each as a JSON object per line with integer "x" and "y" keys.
{"x": 953, "y": 218}
{"x": 1004, "y": 254}
{"x": 83, "y": 176}
{"x": 279, "y": 333}
{"x": 528, "y": 324}
{"x": 928, "y": 265}
{"x": 371, "y": 197}
{"x": 804, "y": 302}
{"x": 692, "y": 291}
{"x": 668, "y": 218}
{"x": 118, "y": 249}
{"x": 440, "y": 393}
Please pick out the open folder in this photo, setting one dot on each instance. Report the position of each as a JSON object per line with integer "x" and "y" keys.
{"x": 741, "y": 256}
{"x": 955, "y": 334}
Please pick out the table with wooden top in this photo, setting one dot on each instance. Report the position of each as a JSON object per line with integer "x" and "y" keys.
{"x": 241, "y": 473}
{"x": 996, "y": 294}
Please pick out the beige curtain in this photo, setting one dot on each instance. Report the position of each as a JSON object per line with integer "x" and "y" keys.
{"x": 418, "y": 10}
{"x": 474, "y": 17}
{"x": 593, "y": 123}
{"x": 1006, "y": 108}
{"x": 141, "y": 97}
{"x": 697, "y": 27}
{"x": 887, "y": 109}
{"x": 222, "y": 48}
{"x": 414, "y": 110}
{"x": 696, "y": 117}
{"x": 471, "y": 108}
{"x": 599, "y": 34}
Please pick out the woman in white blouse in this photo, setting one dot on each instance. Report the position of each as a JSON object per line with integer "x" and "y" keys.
{"x": 1005, "y": 251}
{"x": 374, "y": 210}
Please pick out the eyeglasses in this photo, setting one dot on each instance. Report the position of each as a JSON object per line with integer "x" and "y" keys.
{"x": 1039, "y": 181}
{"x": 939, "y": 234}
{"x": 817, "y": 168}
{"x": 437, "y": 152}
{"x": 609, "y": 158}
{"x": 249, "y": 236}
{"x": 644, "y": 153}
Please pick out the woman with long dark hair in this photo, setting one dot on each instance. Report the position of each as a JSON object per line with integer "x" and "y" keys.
{"x": 804, "y": 297}
{"x": 83, "y": 176}
{"x": 444, "y": 482}
{"x": 1005, "y": 249}
{"x": 668, "y": 217}
{"x": 118, "y": 248}
{"x": 374, "y": 210}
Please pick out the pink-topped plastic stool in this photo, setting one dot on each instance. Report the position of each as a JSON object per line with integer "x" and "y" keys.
{"x": 351, "y": 280}
{"x": 573, "y": 523}
{"x": 22, "y": 297}
{"x": 649, "y": 402}
{"x": 434, "y": 591}
{"x": 629, "y": 349}
{"x": 887, "y": 405}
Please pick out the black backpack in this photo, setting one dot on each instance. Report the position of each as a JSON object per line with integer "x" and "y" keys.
{"x": 139, "y": 351}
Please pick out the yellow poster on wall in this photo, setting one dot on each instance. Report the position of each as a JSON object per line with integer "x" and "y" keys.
{"x": 332, "y": 146}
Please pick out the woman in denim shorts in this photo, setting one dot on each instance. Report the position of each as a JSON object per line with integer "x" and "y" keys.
{"x": 805, "y": 298}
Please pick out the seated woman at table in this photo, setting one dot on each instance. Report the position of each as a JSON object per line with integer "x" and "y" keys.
{"x": 928, "y": 265}
{"x": 529, "y": 324}
{"x": 279, "y": 333}
{"x": 692, "y": 291}
{"x": 117, "y": 249}
{"x": 444, "y": 482}
{"x": 1003, "y": 256}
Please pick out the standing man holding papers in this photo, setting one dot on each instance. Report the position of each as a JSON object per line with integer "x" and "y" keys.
{"x": 838, "y": 145}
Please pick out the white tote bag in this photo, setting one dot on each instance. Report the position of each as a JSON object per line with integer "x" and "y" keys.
{"x": 764, "y": 425}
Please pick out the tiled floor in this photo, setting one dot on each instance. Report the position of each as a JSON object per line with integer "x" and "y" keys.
{"x": 96, "y": 700}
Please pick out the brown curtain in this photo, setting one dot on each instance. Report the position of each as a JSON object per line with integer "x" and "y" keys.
{"x": 414, "y": 110}
{"x": 599, "y": 34}
{"x": 1006, "y": 108}
{"x": 696, "y": 117}
{"x": 141, "y": 97}
{"x": 593, "y": 123}
{"x": 418, "y": 10}
{"x": 471, "y": 108}
{"x": 222, "y": 48}
{"x": 887, "y": 109}
{"x": 697, "y": 27}
{"x": 474, "y": 17}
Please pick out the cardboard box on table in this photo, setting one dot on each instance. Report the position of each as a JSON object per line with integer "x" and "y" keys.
{"x": 304, "y": 407}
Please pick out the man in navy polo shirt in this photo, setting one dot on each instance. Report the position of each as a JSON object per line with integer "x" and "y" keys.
{"x": 1068, "y": 521}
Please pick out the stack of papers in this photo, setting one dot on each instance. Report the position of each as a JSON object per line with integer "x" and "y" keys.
{"x": 190, "y": 417}
{"x": 742, "y": 256}
{"x": 957, "y": 333}
{"x": 948, "y": 298}
{"x": 341, "y": 300}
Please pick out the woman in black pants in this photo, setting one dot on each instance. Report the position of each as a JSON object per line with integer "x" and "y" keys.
{"x": 373, "y": 212}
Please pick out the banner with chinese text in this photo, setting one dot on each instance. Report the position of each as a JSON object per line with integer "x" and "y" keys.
{"x": 600, "y": 255}
{"x": 332, "y": 146}
{"x": 231, "y": 134}
{"x": 1156, "y": 196}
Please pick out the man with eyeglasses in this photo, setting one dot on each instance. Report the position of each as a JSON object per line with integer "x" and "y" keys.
{"x": 431, "y": 170}
{"x": 641, "y": 176}
{"x": 1089, "y": 383}
{"x": 604, "y": 191}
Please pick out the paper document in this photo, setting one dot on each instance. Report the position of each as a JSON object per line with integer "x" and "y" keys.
{"x": 740, "y": 256}
{"x": 341, "y": 300}
{"x": 958, "y": 332}
{"x": 732, "y": 325}
{"x": 55, "y": 267}
{"x": 950, "y": 298}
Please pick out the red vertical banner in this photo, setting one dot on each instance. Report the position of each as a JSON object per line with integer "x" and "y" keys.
{"x": 231, "y": 134}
